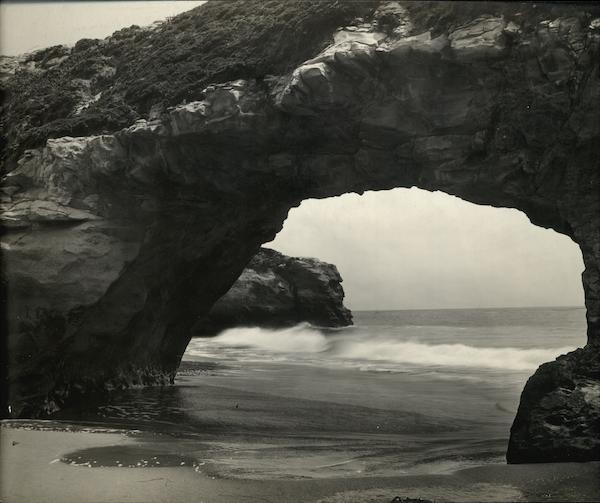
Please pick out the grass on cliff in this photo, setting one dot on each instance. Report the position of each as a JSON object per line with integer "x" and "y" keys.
{"x": 445, "y": 16}
{"x": 136, "y": 69}
{"x": 216, "y": 42}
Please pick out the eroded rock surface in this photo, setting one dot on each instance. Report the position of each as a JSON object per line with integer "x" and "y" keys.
{"x": 559, "y": 414}
{"x": 279, "y": 291}
{"x": 146, "y": 190}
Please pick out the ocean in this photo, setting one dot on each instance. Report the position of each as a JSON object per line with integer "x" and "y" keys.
{"x": 399, "y": 393}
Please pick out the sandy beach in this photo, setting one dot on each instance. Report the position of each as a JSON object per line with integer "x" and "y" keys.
{"x": 40, "y": 465}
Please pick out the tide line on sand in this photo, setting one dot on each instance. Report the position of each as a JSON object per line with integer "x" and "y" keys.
{"x": 30, "y": 473}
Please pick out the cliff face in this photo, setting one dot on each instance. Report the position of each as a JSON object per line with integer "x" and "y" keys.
{"x": 195, "y": 139}
{"x": 279, "y": 291}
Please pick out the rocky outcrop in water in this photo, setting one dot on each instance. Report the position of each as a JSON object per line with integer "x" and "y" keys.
{"x": 279, "y": 291}
{"x": 145, "y": 170}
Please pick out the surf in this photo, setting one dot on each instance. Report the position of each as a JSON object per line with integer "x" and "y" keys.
{"x": 353, "y": 345}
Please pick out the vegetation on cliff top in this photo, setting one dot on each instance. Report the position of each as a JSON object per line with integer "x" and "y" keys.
{"x": 100, "y": 86}
{"x": 135, "y": 68}
{"x": 445, "y": 16}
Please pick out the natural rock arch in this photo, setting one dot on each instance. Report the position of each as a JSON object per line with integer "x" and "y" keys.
{"x": 117, "y": 242}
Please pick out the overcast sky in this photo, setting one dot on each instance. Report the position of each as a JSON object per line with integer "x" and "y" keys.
{"x": 34, "y": 25}
{"x": 396, "y": 249}
{"x": 408, "y": 248}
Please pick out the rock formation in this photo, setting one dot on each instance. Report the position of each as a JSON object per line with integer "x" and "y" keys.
{"x": 559, "y": 414}
{"x": 145, "y": 170}
{"x": 279, "y": 291}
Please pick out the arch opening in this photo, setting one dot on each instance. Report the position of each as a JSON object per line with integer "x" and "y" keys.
{"x": 454, "y": 304}
{"x": 413, "y": 249}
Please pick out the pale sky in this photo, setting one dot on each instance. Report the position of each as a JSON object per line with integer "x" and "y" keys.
{"x": 413, "y": 249}
{"x": 27, "y": 26}
{"x": 397, "y": 249}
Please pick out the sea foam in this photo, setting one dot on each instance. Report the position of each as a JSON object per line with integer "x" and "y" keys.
{"x": 298, "y": 339}
{"x": 356, "y": 347}
{"x": 448, "y": 355}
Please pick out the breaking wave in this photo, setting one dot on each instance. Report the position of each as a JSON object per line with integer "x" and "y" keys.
{"x": 450, "y": 355}
{"x": 304, "y": 342}
{"x": 299, "y": 339}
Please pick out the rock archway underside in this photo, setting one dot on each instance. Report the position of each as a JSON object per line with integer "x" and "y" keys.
{"x": 116, "y": 240}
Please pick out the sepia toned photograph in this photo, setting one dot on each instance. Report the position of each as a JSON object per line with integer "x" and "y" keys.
{"x": 300, "y": 251}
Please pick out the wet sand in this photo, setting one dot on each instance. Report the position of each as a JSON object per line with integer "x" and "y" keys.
{"x": 282, "y": 433}
{"x": 50, "y": 462}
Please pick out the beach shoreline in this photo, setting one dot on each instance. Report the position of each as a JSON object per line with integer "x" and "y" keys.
{"x": 358, "y": 415}
{"x": 36, "y": 468}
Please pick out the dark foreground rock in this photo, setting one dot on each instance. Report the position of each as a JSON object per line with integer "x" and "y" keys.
{"x": 559, "y": 415}
{"x": 279, "y": 291}
{"x": 144, "y": 171}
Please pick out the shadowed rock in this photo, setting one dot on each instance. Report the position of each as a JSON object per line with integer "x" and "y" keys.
{"x": 559, "y": 415}
{"x": 162, "y": 159}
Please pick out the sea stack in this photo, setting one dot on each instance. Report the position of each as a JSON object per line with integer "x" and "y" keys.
{"x": 279, "y": 291}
